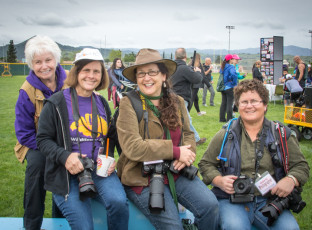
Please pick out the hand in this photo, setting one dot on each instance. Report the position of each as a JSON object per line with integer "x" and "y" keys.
{"x": 186, "y": 155}
{"x": 122, "y": 86}
{"x": 284, "y": 187}
{"x": 225, "y": 183}
{"x": 111, "y": 169}
{"x": 73, "y": 164}
{"x": 197, "y": 69}
{"x": 178, "y": 165}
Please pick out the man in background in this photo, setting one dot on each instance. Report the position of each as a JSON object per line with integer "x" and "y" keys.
{"x": 208, "y": 70}
{"x": 182, "y": 81}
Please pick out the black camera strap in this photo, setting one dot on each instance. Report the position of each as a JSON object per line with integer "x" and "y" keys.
{"x": 76, "y": 115}
{"x": 260, "y": 151}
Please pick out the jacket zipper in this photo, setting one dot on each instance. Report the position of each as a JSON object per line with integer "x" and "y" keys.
{"x": 65, "y": 146}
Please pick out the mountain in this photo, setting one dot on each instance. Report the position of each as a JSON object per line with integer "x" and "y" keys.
{"x": 167, "y": 53}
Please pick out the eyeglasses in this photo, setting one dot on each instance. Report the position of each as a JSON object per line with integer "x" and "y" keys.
{"x": 151, "y": 73}
{"x": 252, "y": 102}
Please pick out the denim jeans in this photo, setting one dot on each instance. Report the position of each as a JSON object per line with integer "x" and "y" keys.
{"x": 242, "y": 216}
{"x": 227, "y": 105}
{"x": 34, "y": 193}
{"x": 110, "y": 193}
{"x": 192, "y": 194}
{"x": 197, "y": 138}
{"x": 212, "y": 94}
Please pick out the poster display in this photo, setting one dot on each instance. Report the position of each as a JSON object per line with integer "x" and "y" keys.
{"x": 271, "y": 56}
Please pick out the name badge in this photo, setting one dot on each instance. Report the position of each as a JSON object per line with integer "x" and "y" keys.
{"x": 265, "y": 183}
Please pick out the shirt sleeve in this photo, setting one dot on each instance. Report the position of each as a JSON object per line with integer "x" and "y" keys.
{"x": 25, "y": 129}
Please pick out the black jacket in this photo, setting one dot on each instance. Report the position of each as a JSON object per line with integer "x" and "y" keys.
{"x": 256, "y": 74}
{"x": 53, "y": 139}
{"x": 183, "y": 79}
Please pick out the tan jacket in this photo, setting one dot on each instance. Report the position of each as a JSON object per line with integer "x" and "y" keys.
{"x": 135, "y": 150}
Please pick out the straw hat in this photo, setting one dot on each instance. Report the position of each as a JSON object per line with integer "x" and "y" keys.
{"x": 148, "y": 56}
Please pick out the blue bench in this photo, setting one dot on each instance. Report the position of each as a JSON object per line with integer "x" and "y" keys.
{"x": 137, "y": 220}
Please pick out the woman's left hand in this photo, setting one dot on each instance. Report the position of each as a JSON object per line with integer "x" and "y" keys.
{"x": 111, "y": 169}
{"x": 284, "y": 187}
{"x": 178, "y": 165}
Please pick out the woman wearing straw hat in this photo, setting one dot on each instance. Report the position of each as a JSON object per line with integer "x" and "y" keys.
{"x": 154, "y": 143}
{"x": 72, "y": 133}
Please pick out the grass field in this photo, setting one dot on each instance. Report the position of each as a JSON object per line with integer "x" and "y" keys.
{"x": 12, "y": 172}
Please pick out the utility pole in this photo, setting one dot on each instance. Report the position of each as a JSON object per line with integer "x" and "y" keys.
{"x": 230, "y": 28}
{"x": 310, "y": 31}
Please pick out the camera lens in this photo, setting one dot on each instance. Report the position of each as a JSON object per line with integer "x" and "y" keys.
{"x": 157, "y": 188}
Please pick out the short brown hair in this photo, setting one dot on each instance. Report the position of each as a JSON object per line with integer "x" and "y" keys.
{"x": 72, "y": 79}
{"x": 251, "y": 85}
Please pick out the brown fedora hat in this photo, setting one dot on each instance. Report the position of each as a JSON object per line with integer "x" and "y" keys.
{"x": 148, "y": 56}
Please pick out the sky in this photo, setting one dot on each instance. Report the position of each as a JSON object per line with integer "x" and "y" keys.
{"x": 157, "y": 24}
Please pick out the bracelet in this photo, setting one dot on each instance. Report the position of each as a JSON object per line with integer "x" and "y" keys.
{"x": 293, "y": 178}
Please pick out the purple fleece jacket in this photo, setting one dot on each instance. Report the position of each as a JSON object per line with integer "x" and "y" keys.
{"x": 25, "y": 129}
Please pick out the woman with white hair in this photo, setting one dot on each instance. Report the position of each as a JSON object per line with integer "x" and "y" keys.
{"x": 46, "y": 77}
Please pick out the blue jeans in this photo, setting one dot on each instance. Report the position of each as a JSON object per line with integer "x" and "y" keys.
{"x": 197, "y": 138}
{"x": 192, "y": 194}
{"x": 110, "y": 193}
{"x": 243, "y": 216}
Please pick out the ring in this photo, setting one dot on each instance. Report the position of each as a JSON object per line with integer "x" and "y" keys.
{"x": 191, "y": 161}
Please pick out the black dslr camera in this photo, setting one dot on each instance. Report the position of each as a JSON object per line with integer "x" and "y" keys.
{"x": 86, "y": 184}
{"x": 274, "y": 208}
{"x": 244, "y": 190}
{"x": 157, "y": 188}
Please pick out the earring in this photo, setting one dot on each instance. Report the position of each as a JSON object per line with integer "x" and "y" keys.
{"x": 164, "y": 84}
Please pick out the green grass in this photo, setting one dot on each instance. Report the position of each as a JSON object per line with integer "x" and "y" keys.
{"x": 12, "y": 172}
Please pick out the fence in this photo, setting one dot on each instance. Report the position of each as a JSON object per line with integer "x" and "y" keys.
{"x": 12, "y": 69}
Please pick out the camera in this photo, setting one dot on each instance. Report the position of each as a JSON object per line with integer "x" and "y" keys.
{"x": 244, "y": 190}
{"x": 274, "y": 208}
{"x": 157, "y": 187}
{"x": 275, "y": 159}
{"x": 86, "y": 184}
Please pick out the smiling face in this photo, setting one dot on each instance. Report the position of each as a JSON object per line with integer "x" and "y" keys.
{"x": 89, "y": 78}
{"x": 44, "y": 66}
{"x": 150, "y": 85}
{"x": 251, "y": 113}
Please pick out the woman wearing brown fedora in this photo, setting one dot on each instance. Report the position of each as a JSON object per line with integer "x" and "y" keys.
{"x": 161, "y": 139}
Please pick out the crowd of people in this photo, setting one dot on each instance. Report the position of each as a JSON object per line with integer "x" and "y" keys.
{"x": 63, "y": 127}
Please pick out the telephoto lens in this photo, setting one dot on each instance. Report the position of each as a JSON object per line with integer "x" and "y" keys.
{"x": 156, "y": 198}
{"x": 86, "y": 184}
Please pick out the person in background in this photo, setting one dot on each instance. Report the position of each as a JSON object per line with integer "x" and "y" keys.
{"x": 256, "y": 74}
{"x": 114, "y": 72}
{"x": 301, "y": 70}
{"x": 46, "y": 77}
{"x": 294, "y": 88}
{"x": 286, "y": 95}
{"x": 164, "y": 137}
{"x": 246, "y": 155}
{"x": 208, "y": 70}
{"x": 182, "y": 81}
{"x": 230, "y": 81}
{"x": 309, "y": 79}
{"x": 195, "y": 87}
{"x": 238, "y": 69}
{"x": 72, "y": 132}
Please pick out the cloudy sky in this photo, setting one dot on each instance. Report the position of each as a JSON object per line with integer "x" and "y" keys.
{"x": 157, "y": 24}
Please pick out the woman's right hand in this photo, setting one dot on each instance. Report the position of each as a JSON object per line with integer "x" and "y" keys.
{"x": 225, "y": 183}
{"x": 73, "y": 164}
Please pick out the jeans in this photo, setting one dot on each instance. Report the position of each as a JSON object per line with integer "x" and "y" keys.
{"x": 197, "y": 138}
{"x": 212, "y": 94}
{"x": 227, "y": 105}
{"x": 110, "y": 193}
{"x": 34, "y": 193}
{"x": 242, "y": 216}
{"x": 192, "y": 194}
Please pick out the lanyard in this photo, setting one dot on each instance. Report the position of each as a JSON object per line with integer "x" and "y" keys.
{"x": 77, "y": 116}
{"x": 259, "y": 152}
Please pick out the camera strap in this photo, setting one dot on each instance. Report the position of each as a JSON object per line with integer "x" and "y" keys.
{"x": 76, "y": 115}
{"x": 259, "y": 152}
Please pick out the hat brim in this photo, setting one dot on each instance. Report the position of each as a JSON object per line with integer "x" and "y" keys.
{"x": 130, "y": 75}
